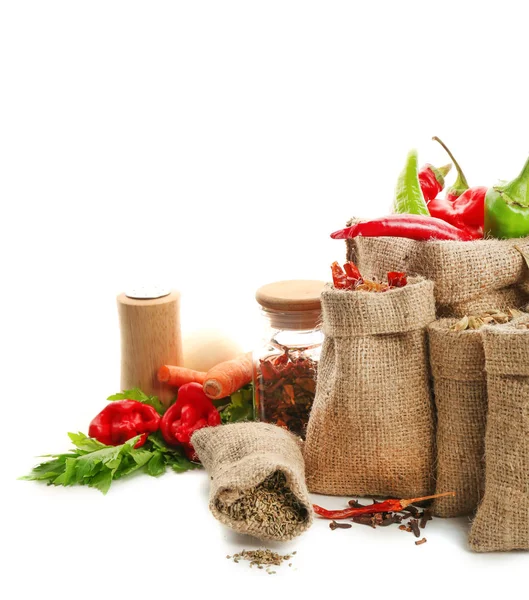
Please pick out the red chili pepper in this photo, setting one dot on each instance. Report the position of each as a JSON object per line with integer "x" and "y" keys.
{"x": 339, "y": 278}
{"x": 466, "y": 211}
{"x": 397, "y": 279}
{"x": 415, "y": 227}
{"x": 432, "y": 180}
{"x": 391, "y": 505}
{"x": 191, "y": 411}
{"x": 353, "y": 273}
{"x": 122, "y": 420}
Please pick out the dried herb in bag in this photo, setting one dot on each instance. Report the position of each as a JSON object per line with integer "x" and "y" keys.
{"x": 257, "y": 479}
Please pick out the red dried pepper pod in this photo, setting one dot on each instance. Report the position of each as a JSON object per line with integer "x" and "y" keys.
{"x": 123, "y": 420}
{"x": 192, "y": 410}
{"x": 397, "y": 279}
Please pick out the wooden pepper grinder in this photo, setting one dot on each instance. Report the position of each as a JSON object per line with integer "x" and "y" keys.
{"x": 150, "y": 337}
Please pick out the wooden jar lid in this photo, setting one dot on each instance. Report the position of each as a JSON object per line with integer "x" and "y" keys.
{"x": 292, "y": 295}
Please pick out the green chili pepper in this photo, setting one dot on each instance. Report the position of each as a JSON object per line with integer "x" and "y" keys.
{"x": 408, "y": 195}
{"x": 507, "y": 207}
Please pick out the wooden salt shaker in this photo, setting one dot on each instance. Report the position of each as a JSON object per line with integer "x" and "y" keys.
{"x": 150, "y": 337}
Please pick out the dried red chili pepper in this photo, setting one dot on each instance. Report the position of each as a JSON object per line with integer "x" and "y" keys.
{"x": 339, "y": 278}
{"x": 397, "y": 279}
{"x": 123, "y": 420}
{"x": 391, "y": 505}
{"x": 285, "y": 389}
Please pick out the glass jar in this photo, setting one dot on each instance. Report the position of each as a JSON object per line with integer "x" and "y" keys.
{"x": 285, "y": 366}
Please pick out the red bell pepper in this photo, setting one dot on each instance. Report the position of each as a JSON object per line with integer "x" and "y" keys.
{"x": 120, "y": 421}
{"x": 467, "y": 211}
{"x": 192, "y": 410}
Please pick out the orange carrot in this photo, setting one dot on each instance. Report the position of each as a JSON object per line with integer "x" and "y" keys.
{"x": 177, "y": 376}
{"x": 228, "y": 377}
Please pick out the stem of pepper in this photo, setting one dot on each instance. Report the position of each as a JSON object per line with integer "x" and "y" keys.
{"x": 405, "y": 503}
{"x": 517, "y": 190}
{"x": 461, "y": 183}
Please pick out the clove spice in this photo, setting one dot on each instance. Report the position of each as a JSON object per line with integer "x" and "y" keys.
{"x": 334, "y": 525}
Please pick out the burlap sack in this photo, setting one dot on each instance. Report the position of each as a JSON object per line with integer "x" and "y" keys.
{"x": 371, "y": 428}
{"x": 257, "y": 479}
{"x": 513, "y": 296}
{"x": 458, "y": 368}
{"x": 502, "y": 520}
{"x": 465, "y": 273}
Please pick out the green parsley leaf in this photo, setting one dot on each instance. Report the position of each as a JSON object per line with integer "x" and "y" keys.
{"x": 156, "y": 466}
{"x": 139, "y": 396}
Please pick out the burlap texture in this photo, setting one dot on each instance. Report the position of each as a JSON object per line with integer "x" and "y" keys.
{"x": 465, "y": 273}
{"x": 502, "y": 520}
{"x": 241, "y": 456}
{"x": 458, "y": 368}
{"x": 371, "y": 428}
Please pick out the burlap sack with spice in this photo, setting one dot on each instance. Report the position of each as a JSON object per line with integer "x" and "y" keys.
{"x": 458, "y": 368}
{"x": 257, "y": 479}
{"x": 469, "y": 277}
{"x": 502, "y": 520}
{"x": 371, "y": 429}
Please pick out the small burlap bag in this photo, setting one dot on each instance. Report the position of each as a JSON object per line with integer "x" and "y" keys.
{"x": 469, "y": 277}
{"x": 502, "y": 520}
{"x": 458, "y": 368}
{"x": 371, "y": 429}
{"x": 257, "y": 479}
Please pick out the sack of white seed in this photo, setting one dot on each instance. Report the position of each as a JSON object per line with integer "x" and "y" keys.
{"x": 257, "y": 479}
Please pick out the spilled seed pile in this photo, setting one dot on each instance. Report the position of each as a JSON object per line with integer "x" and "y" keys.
{"x": 416, "y": 520}
{"x": 262, "y": 559}
{"x": 271, "y": 504}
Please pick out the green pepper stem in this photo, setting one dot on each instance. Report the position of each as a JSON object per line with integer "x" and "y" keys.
{"x": 461, "y": 179}
{"x": 517, "y": 190}
{"x": 445, "y": 169}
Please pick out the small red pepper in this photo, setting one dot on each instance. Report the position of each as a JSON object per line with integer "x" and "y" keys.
{"x": 192, "y": 410}
{"x": 432, "y": 180}
{"x": 391, "y": 505}
{"x": 415, "y": 227}
{"x": 122, "y": 420}
{"x": 397, "y": 279}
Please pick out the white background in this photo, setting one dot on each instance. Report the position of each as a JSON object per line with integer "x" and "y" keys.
{"x": 212, "y": 147}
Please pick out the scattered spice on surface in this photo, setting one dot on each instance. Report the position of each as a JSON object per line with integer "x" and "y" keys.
{"x": 271, "y": 504}
{"x": 285, "y": 389}
{"x": 396, "y": 512}
{"x": 334, "y": 525}
{"x": 426, "y": 516}
{"x": 262, "y": 558}
{"x": 355, "y": 503}
{"x": 414, "y": 524}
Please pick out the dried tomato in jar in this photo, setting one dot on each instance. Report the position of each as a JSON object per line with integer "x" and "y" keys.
{"x": 285, "y": 366}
